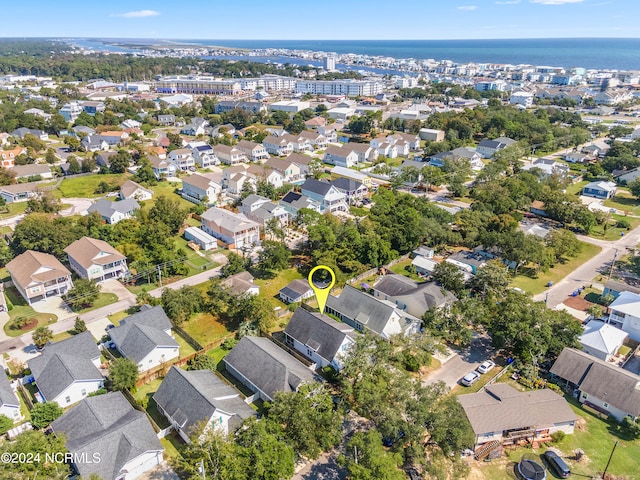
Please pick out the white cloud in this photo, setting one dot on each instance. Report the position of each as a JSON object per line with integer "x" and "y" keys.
{"x": 138, "y": 14}
{"x": 467, "y": 8}
{"x": 508, "y": 2}
{"x": 556, "y": 2}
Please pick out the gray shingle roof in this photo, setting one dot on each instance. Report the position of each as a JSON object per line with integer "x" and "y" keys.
{"x": 426, "y": 295}
{"x": 296, "y": 288}
{"x": 107, "y": 208}
{"x": 234, "y": 222}
{"x": 7, "y": 395}
{"x": 367, "y": 310}
{"x": 320, "y": 333}
{"x": 501, "y": 407}
{"x": 109, "y": 426}
{"x": 346, "y": 184}
{"x": 316, "y": 186}
{"x": 618, "y": 387}
{"x": 267, "y": 366}
{"x": 65, "y": 362}
{"x": 193, "y": 396}
{"x": 141, "y": 332}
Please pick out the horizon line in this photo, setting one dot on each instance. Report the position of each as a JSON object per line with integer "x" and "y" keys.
{"x": 99, "y": 37}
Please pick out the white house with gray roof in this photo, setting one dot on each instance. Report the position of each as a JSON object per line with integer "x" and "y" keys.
{"x": 113, "y": 212}
{"x": 331, "y": 199}
{"x": 131, "y": 189}
{"x": 625, "y": 314}
{"x": 363, "y": 311}
{"x": 319, "y": 338}
{"x": 195, "y": 399}
{"x": 487, "y": 148}
{"x": 108, "y": 428}
{"x": 9, "y": 402}
{"x": 67, "y": 371}
{"x": 202, "y": 188}
{"x": 234, "y": 229}
{"x": 261, "y": 210}
{"x": 145, "y": 337}
{"x": 265, "y": 368}
{"x": 296, "y": 291}
{"x": 601, "y": 339}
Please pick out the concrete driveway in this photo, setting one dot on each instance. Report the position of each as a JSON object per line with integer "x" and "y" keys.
{"x": 462, "y": 362}
{"x": 161, "y": 472}
{"x": 114, "y": 286}
{"x": 53, "y": 305}
{"x": 98, "y": 328}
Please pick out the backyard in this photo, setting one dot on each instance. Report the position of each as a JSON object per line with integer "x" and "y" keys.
{"x": 205, "y": 328}
{"x": 269, "y": 288}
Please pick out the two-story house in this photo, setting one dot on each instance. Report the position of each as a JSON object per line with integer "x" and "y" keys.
{"x": 162, "y": 168}
{"x": 96, "y": 260}
{"x": 317, "y": 140}
{"x": 234, "y": 229}
{"x": 131, "y": 189}
{"x": 280, "y": 146}
{"x": 262, "y": 173}
{"x": 202, "y": 188}
{"x": 331, "y": 200}
{"x": 38, "y": 275}
{"x": 145, "y": 338}
{"x": 625, "y": 314}
{"x": 203, "y": 154}
{"x": 300, "y": 143}
{"x": 354, "y": 190}
{"x": 182, "y": 158}
{"x": 229, "y": 155}
{"x": 340, "y": 156}
{"x": 8, "y": 157}
{"x": 291, "y": 172}
{"x": 254, "y": 152}
{"x": 261, "y": 210}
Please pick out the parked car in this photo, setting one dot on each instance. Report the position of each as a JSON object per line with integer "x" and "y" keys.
{"x": 470, "y": 378}
{"x": 557, "y": 464}
{"x": 486, "y": 366}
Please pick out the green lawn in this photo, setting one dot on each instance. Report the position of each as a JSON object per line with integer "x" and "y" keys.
{"x": 117, "y": 317}
{"x": 85, "y": 187}
{"x": 12, "y": 209}
{"x": 479, "y": 385}
{"x": 103, "y": 300}
{"x": 270, "y": 288}
{"x": 625, "y": 202}
{"x": 61, "y": 336}
{"x": 576, "y": 188}
{"x": 205, "y": 328}
{"x": 172, "y": 445}
{"x": 168, "y": 189}
{"x": 147, "y": 390}
{"x": 185, "y": 349}
{"x": 613, "y": 232}
{"x": 401, "y": 269}
{"x": 19, "y": 308}
{"x": 557, "y": 273}
{"x": 218, "y": 354}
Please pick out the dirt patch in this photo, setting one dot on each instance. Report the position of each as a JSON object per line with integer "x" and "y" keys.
{"x": 578, "y": 303}
{"x": 581, "y": 425}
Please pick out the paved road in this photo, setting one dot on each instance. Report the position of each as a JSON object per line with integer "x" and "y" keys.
{"x": 462, "y": 362}
{"x": 585, "y": 273}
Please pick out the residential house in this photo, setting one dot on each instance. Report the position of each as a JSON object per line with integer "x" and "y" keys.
{"x": 537, "y": 207}
{"x": 487, "y": 148}
{"x": 113, "y": 212}
{"x": 81, "y": 130}
{"x": 625, "y": 314}
{"x": 234, "y": 229}
{"x": 9, "y": 402}
{"x": 202, "y": 188}
{"x": 241, "y": 284}
{"x": 182, "y": 158}
{"x": 431, "y": 135}
{"x": 329, "y": 132}
{"x": 197, "y": 126}
{"x": 296, "y": 291}
{"x": 222, "y": 130}
{"x": 19, "y": 192}
{"x": 315, "y": 122}
{"x": 262, "y": 210}
{"x": 474, "y": 158}
{"x": 265, "y": 368}
{"x": 340, "y": 156}
{"x": 319, "y": 338}
{"x": 8, "y": 157}
{"x": 300, "y": 143}
{"x": 381, "y": 317}
{"x": 291, "y": 172}
{"x": 166, "y": 119}
{"x": 198, "y": 399}
{"x": 38, "y": 275}
{"x": 413, "y": 297}
{"x": 236, "y": 182}
{"x": 365, "y": 152}
{"x": 413, "y": 141}
{"x": 43, "y": 171}
{"x": 292, "y": 202}
{"x": 94, "y": 143}
{"x": 203, "y": 240}
{"x": 316, "y": 139}
{"x": 262, "y": 173}
{"x": 22, "y": 131}
{"x": 601, "y": 339}
{"x": 114, "y": 137}
{"x": 576, "y": 157}
{"x": 145, "y": 338}
{"x": 203, "y": 154}
{"x": 331, "y": 200}
{"x": 254, "y": 152}
{"x": 615, "y": 288}
{"x": 67, "y": 371}
{"x": 599, "y": 384}
{"x": 229, "y": 155}
{"x": 281, "y": 146}
{"x": 96, "y": 259}
{"x": 131, "y": 189}
{"x": 304, "y": 163}
{"x": 363, "y": 178}
{"x": 468, "y": 262}
{"x": 499, "y": 413}
{"x": 600, "y": 189}
{"x": 354, "y": 190}
{"x": 37, "y": 112}
{"x": 423, "y": 265}
{"x": 162, "y": 168}
{"x": 104, "y": 159}
{"x": 108, "y": 428}
{"x": 622, "y": 176}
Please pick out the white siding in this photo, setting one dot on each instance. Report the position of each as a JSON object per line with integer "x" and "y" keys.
{"x": 74, "y": 392}
{"x": 157, "y": 357}
{"x": 141, "y": 464}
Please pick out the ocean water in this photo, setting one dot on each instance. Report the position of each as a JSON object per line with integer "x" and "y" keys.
{"x": 596, "y": 53}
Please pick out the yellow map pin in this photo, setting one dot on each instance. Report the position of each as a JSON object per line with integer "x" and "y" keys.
{"x": 322, "y": 294}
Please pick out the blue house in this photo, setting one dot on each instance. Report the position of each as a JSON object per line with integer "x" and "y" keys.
{"x": 600, "y": 189}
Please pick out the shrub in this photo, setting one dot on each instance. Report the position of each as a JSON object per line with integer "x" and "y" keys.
{"x": 557, "y": 436}
{"x": 623, "y": 223}
{"x": 229, "y": 343}
{"x": 631, "y": 427}
{"x": 411, "y": 363}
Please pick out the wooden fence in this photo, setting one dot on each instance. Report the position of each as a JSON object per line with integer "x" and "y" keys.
{"x": 26, "y": 396}
{"x": 134, "y": 403}
{"x": 374, "y": 271}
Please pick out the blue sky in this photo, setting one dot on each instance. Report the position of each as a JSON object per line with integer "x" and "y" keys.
{"x": 329, "y": 19}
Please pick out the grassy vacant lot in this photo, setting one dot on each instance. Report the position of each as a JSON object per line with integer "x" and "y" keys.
{"x": 613, "y": 232}
{"x": 103, "y": 300}
{"x": 625, "y": 202}
{"x": 19, "y": 308}
{"x": 85, "y": 187}
{"x": 401, "y": 269}
{"x": 269, "y": 288}
{"x": 557, "y": 273}
{"x": 594, "y": 436}
{"x": 168, "y": 189}
{"x": 12, "y": 209}
{"x": 205, "y": 328}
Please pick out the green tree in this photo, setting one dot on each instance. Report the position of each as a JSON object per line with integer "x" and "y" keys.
{"x": 563, "y": 242}
{"x": 120, "y": 162}
{"x": 368, "y": 460}
{"x": 264, "y": 454}
{"x": 42, "y": 414}
{"x": 41, "y": 336}
{"x": 202, "y": 362}
{"x": 449, "y": 277}
{"x": 181, "y": 304}
{"x": 39, "y": 444}
{"x": 79, "y": 325}
{"x": 449, "y": 427}
{"x": 83, "y": 294}
{"x": 74, "y": 165}
{"x": 168, "y": 211}
{"x": 123, "y": 374}
{"x": 6, "y": 424}
{"x": 492, "y": 279}
{"x": 634, "y": 187}
{"x": 45, "y": 203}
{"x": 214, "y": 451}
{"x": 50, "y": 156}
{"x": 235, "y": 264}
{"x": 273, "y": 257}
{"x": 307, "y": 419}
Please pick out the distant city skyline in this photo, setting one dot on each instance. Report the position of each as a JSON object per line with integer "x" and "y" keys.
{"x": 329, "y": 20}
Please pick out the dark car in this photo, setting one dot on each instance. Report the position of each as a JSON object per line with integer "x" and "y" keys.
{"x": 557, "y": 464}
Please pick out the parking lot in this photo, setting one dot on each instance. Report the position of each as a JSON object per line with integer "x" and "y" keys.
{"x": 462, "y": 362}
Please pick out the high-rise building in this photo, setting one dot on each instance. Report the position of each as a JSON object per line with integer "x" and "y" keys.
{"x": 330, "y": 63}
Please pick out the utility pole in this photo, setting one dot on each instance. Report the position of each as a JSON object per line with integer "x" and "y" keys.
{"x": 613, "y": 263}
{"x": 159, "y": 276}
{"x": 609, "y": 461}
